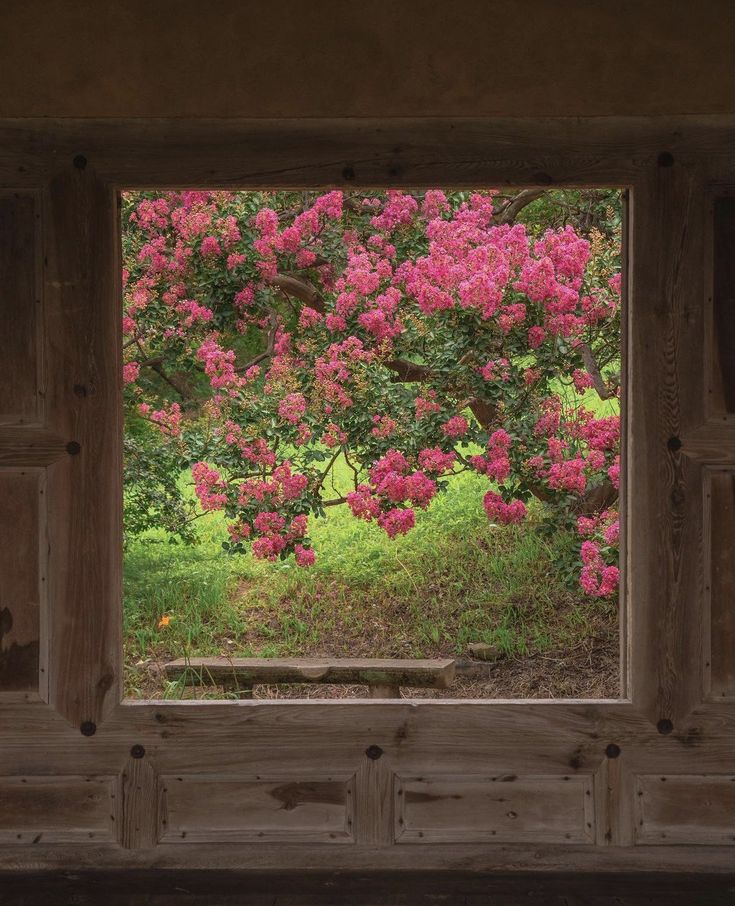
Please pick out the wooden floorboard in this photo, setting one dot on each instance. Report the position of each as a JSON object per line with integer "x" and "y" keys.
{"x": 211, "y": 888}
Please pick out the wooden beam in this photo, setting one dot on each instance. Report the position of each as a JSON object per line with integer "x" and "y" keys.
{"x": 382, "y": 673}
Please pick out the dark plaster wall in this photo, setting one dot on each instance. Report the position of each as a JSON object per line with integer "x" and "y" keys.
{"x": 276, "y": 58}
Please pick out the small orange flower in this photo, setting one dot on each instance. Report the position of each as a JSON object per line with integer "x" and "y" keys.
{"x": 164, "y": 621}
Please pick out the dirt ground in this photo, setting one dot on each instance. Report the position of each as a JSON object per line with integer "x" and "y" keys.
{"x": 591, "y": 670}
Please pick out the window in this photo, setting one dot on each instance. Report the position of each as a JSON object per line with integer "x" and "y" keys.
{"x": 380, "y": 428}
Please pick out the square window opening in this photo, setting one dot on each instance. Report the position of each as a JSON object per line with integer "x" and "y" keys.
{"x": 372, "y": 443}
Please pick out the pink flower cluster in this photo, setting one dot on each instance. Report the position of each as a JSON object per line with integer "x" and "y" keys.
{"x": 131, "y": 370}
{"x": 597, "y": 578}
{"x": 499, "y": 511}
{"x": 433, "y": 459}
{"x": 294, "y": 238}
{"x": 209, "y": 487}
{"x": 292, "y": 407}
{"x": 392, "y": 483}
{"x": 219, "y": 365}
{"x": 456, "y": 427}
{"x": 495, "y": 463}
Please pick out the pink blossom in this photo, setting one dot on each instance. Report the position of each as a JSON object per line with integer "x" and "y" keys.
{"x": 582, "y": 380}
{"x": 505, "y": 513}
{"x": 457, "y": 426}
{"x": 432, "y": 459}
{"x": 397, "y": 521}
{"x": 266, "y": 523}
{"x": 308, "y": 317}
{"x": 305, "y": 556}
{"x": 292, "y": 407}
{"x": 333, "y": 436}
{"x": 208, "y": 487}
{"x": 210, "y": 247}
{"x": 426, "y": 404}
{"x": 363, "y": 504}
{"x": 131, "y": 370}
{"x": 536, "y": 336}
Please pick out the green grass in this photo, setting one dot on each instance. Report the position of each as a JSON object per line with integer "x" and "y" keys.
{"x": 453, "y": 580}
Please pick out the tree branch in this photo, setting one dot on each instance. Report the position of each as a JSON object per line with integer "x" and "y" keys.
{"x": 593, "y": 371}
{"x": 172, "y": 382}
{"x": 336, "y": 501}
{"x": 408, "y": 371}
{"x": 301, "y": 289}
{"x": 485, "y": 413}
{"x": 514, "y": 207}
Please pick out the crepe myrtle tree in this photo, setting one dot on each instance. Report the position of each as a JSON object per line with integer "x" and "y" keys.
{"x": 414, "y": 335}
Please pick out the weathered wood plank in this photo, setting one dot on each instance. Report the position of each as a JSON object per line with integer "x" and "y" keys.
{"x": 665, "y": 403}
{"x": 241, "y": 153}
{"x": 139, "y": 821}
{"x": 22, "y": 527}
{"x": 30, "y": 447}
{"x": 722, "y": 388}
{"x": 84, "y": 405}
{"x": 388, "y": 673}
{"x": 374, "y": 799}
{"x": 203, "y": 808}
{"x": 687, "y": 808}
{"x": 56, "y": 810}
{"x": 721, "y": 536}
{"x": 20, "y": 308}
{"x": 505, "y": 808}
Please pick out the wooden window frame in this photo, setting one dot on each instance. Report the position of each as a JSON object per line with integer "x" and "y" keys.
{"x": 346, "y": 784}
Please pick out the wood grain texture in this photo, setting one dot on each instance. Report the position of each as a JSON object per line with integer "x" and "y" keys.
{"x": 285, "y": 742}
{"x": 722, "y": 389}
{"x": 687, "y": 808}
{"x": 64, "y": 809}
{"x": 504, "y": 808}
{"x": 203, "y": 808}
{"x": 139, "y": 797}
{"x": 20, "y": 308}
{"x": 720, "y": 513}
{"x": 666, "y": 397}
{"x": 30, "y": 447}
{"x": 407, "y": 151}
{"x": 22, "y": 577}
{"x": 84, "y": 405}
{"x": 374, "y": 799}
{"x": 435, "y": 673}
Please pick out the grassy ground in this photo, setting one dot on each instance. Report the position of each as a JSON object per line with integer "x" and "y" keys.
{"x": 453, "y": 580}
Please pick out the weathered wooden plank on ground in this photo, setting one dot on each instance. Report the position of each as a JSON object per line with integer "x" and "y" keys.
{"x": 378, "y": 673}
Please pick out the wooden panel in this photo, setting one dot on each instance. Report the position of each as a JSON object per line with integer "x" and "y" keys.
{"x": 221, "y": 809}
{"x": 722, "y": 391}
{"x": 60, "y": 809}
{"x": 84, "y": 407}
{"x": 664, "y": 487}
{"x": 19, "y": 308}
{"x": 22, "y": 521}
{"x": 500, "y": 809}
{"x": 201, "y": 808}
{"x": 374, "y": 800}
{"x": 685, "y": 808}
{"x": 139, "y": 792}
{"x": 721, "y": 506}
{"x": 247, "y": 153}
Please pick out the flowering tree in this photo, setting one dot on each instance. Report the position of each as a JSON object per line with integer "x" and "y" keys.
{"x": 413, "y": 335}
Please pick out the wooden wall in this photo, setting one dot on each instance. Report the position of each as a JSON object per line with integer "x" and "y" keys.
{"x": 646, "y": 782}
{"x": 385, "y": 58}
